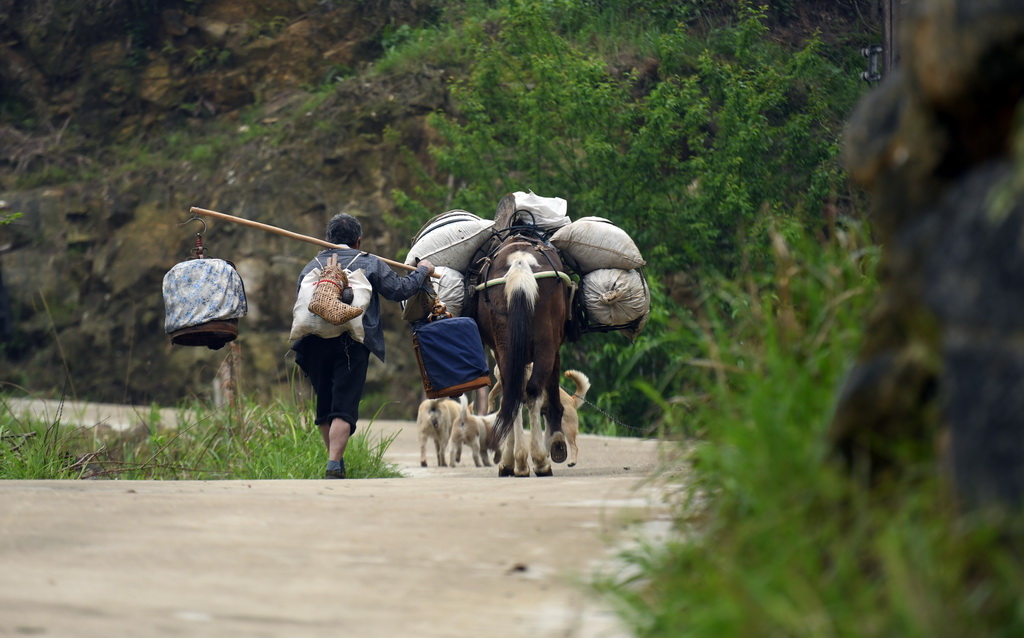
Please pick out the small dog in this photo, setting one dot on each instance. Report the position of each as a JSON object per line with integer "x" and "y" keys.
{"x": 487, "y": 422}
{"x": 571, "y": 404}
{"x": 434, "y": 419}
{"x": 468, "y": 429}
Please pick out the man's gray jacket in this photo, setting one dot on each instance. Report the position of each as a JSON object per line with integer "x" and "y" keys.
{"x": 385, "y": 283}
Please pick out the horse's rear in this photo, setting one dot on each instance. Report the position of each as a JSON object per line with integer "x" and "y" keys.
{"x": 521, "y": 312}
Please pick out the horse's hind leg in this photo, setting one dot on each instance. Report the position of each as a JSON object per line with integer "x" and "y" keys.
{"x": 541, "y": 463}
{"x": 522, "y": 451}
{"x": 506, "y": 463}
{"x": 547, "y": 400}
{"x": 552, "y": 408}
{"x": 557, "y": 446}
{"x": 515, "y": 455}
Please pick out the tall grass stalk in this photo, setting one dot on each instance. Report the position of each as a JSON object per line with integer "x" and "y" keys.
{"x": 247, "y": 441}
{"x": 773, "y": 540}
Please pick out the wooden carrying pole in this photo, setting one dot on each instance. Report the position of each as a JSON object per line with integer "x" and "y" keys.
{"x": 287, "y": 233}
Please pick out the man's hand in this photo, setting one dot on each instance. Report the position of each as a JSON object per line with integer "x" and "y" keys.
{"x": 423, "y": 263}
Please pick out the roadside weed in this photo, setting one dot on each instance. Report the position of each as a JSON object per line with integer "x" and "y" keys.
{"x": 248, "y": 441}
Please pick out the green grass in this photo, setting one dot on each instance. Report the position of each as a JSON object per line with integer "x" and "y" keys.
{"x": 251, "y": 442}
{"x": 772, "y": 539}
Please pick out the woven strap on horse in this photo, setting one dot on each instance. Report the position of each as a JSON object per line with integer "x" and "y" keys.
{"x": 537, "y": 275}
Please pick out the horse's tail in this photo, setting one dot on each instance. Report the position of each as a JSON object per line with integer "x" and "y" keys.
{"x": 521, "y": 292}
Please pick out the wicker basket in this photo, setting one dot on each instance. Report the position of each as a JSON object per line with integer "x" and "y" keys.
{"x": 326, "y": 302}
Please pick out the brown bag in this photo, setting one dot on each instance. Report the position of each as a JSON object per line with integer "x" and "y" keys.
{"x": 420, "y": 305}
{"x": 327, "y": 297}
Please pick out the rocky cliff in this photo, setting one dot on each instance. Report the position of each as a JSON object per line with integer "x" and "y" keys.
{"x": 117, "y": 117}
{"x": 937, "y": 144}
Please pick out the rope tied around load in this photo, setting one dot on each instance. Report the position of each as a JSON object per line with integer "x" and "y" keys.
{"x": 537, "y": 275}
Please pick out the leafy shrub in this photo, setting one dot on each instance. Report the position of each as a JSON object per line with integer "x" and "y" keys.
{"x": 772, "y": 539}
{"x": 696, "y": 167}
{"x": 735, "y": 138}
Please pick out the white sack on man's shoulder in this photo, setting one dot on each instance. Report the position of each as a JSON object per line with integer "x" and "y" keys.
{"x": 305, "y": 322}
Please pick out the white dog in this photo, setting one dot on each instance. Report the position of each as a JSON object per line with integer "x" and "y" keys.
{"x": 468, "y": 429}
{"x": 571, "y": 404}
{"x": 434, "y": 419}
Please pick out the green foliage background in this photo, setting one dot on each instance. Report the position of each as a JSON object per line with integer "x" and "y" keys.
{"x": 699, "y": 145}
{"x": 715, "y": 146}
{"x": 713, "y": 140}
{"x": 732, "y": 137}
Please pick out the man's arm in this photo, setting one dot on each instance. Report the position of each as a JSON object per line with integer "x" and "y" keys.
{"x": 393, "y": 287}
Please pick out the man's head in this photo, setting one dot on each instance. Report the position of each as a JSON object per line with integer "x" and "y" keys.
{"x": 344, "y": 229}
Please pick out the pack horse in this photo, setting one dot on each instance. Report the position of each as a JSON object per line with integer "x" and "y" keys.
{"x": 521, "y": 305}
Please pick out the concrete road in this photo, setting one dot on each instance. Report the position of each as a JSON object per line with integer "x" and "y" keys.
{"x": 445, "y": 553}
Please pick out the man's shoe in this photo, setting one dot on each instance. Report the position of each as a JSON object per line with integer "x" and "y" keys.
{"x": 335, "y": 474}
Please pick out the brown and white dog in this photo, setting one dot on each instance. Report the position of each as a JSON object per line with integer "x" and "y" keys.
{"x": 434, "y": 420}
{"x": 470, "y": 430}
{"x": 571, "y": 404}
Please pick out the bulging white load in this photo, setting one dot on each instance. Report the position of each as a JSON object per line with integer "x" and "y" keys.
{"x": 450, "y": 239}
{"x": 595, "y": 242}
{"x": 449, "y": 289}
{"x": 548, "y": 213}
{"x": 616, "y": 297}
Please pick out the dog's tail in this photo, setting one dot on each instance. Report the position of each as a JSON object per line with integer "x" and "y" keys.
{"x": 434, "y": 412}
{"x": 582, "y": 382}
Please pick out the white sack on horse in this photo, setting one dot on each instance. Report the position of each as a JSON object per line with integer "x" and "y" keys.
{"x": 616, "y": 297}
{"x": 450, "y": 289}
{"x": 594, "y": 243}
{"x": 545, "y": 212}
{"x": 450, "y": 239}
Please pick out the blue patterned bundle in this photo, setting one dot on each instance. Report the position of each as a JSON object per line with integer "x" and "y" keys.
{"x": 201, "y": 290}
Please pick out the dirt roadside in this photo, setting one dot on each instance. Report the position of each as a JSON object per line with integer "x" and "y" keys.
{"x": 447, "y": 552}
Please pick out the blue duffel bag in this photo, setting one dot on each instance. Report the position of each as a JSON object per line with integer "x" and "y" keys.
{"x": 451, "y": 356}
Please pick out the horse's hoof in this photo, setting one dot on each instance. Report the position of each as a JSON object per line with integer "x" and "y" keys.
{"x": 547, "y": 472}
{"x": 423, "y": 464}
{"x": 573, "y": 464}
{"x": 559, "y": 450}
{"x": 505, "y": 471}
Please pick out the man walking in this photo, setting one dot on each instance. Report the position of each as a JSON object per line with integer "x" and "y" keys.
{"x": 337, "y": 366}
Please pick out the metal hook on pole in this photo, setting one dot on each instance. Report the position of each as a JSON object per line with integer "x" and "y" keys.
{"x": 196, "y": 218}
{"x": 198, "y": 251}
